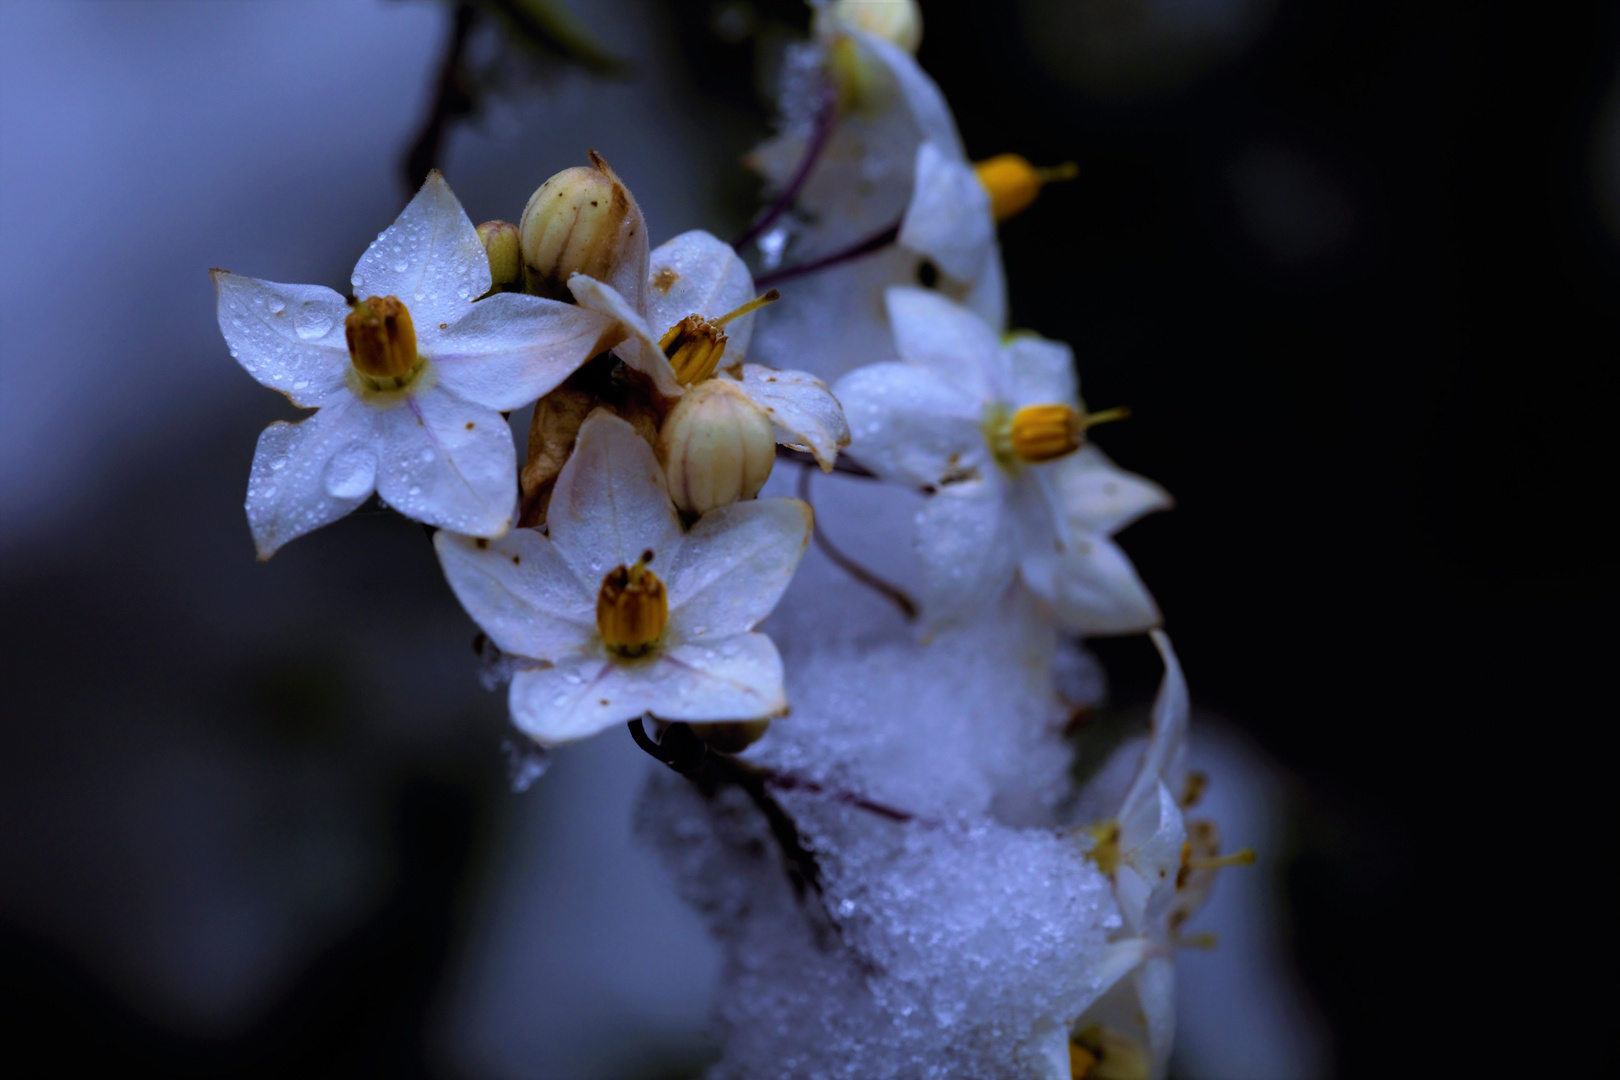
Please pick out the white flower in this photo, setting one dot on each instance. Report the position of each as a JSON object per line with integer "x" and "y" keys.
{"x": 619, "y": 611}
{"x": 965, "y": 416}
{"x": 413, "y": 411}
{"x": 697, "y": 274}
{"x": 894, "y": 157}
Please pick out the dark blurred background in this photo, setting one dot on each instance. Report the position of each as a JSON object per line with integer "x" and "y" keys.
{"x": 1355, "y": 266}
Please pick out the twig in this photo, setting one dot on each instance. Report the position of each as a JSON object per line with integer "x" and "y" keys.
{"x": 453, "y": 98}
{"x": 820, "y": 134}
{"x": 865, "y": 247}
{"x": 907, "y": 606}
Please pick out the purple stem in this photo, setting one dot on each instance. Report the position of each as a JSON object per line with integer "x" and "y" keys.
{"x": 820, "y": 134}
{"x": 865, "y": 247}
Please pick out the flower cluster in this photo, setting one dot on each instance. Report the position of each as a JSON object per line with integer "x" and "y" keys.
{"x": 623, "y": 568}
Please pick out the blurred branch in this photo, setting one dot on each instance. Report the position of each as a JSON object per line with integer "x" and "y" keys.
{"x": 453, "y": 98}
{"x": 543, "y": 26}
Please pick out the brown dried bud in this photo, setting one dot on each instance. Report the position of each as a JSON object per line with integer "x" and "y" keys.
{"x": 694, "y": 347}
{"x": 581, "y": 221}
{"x": 717, "y": 447}
{"x": 504, "y": 247}
{"x": 382, "y": 338}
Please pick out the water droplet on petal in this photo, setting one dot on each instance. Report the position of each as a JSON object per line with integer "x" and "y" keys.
{"x": 356, "y": 280}
{"x": 400, "y": 266}
{"x": 413, "y": 490}
{"x": 426, "y": 457}
{"x": 277, "y": 305}
{"x": 351, "y": 472}
{"x": 311, "y": 322}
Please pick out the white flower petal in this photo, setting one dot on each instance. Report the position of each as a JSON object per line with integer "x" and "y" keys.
{"x": 737, "y": 678}
{"x": 430, "y": 258}
{"x": 610, "y": 503}
{"x": 909, "y": 426}
{"x": 447, "y": 462}
{"x": 1042, "y": 372}
{"x": 795, "y": 332}
{"x": 1167, "y": 743}
{"x": 699, "y": 274}
{"x": 1156, "y": 990}
{"x": 520, "y": 592}
{"x": 1090, "y": 494}
{"x": 733, "y": 566}
{"x": 949, "y": 217}
{"x": 924, "y": 103}
{"x": 511, "y": 349}
{"x": 308, "y": 474}
{"x": 1092, "y": 588}
{"x": 580, "y": 696}
{"x": 933, "y": 333}
{"x": 639, "y": 348}
{"x": 289, "y": 337}
{"x": 803, "y": 412}
{"x": 969, "y": 551}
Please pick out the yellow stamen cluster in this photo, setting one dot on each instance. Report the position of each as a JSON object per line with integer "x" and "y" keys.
{"x": 695, "y": 345}
{"x": 1046, "y": 432}
{"x": 1013, "y": 183}
{"x": 382, "y": 340}
{"x": 1101, "y": 1053}
{"x": 632, "y": 608}
{"x": 1105, "y": 852}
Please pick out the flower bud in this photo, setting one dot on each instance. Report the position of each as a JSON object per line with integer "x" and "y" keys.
{"x": 731, "y": 736}
{"x": 504, "y": 247}
{"x": 717, "y": 447}
{"x": 632, "y": 608}
{"x": 1013, "y": 183}
{"x": 1046, "y": 432}
{"x": 898, "y": 22}
{"x": 578, "y": 222}
{"x": 382, "y": 338}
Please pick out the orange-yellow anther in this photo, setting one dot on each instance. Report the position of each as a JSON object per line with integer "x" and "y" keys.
{"x": 695, "y": 345}
{"x": 1082, "y": 1063}
{"x": 632, "y": 608}
{"x": 1013, "y": 183}
{"x": 382, "y": 338}
{"x": 1105, "y": 852}
{"x": 1046, "y": 432}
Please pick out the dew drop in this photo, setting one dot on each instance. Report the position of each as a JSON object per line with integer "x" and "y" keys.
{"x": 300, "y": 384}
{"x": 425, "y": 457}
{"x": 277, "y": 464}
{"x": 400, "y": 266}
{"x": 351, "y": 473}
{"x": 311, "y": 322}
{"x": 413, "y": 490}
{"x": 277, "y": 305}
{"x": 356, "y": 280}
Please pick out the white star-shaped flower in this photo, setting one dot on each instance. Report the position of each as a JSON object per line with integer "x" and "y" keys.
{"x": 696, "y": 274}
{"x": 894, "y": 156}
{"x": 410, "y": 397}
{"x": 620, "y": 612}
{"x": 991, "y": 429}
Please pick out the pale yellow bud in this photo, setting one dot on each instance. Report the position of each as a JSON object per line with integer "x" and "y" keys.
{"x": 632, "y": 609}
{"x": 717, "y": 447}
{"x": 504, "y": 247}
{"x": 1046, "y": 432}
{"x": 898, "y": 22}
{"x": 1013, "y": 183}
{"x": 731, "y": 736}
{"x": 382, "y": 340}
{"x": 578, "y": 222}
